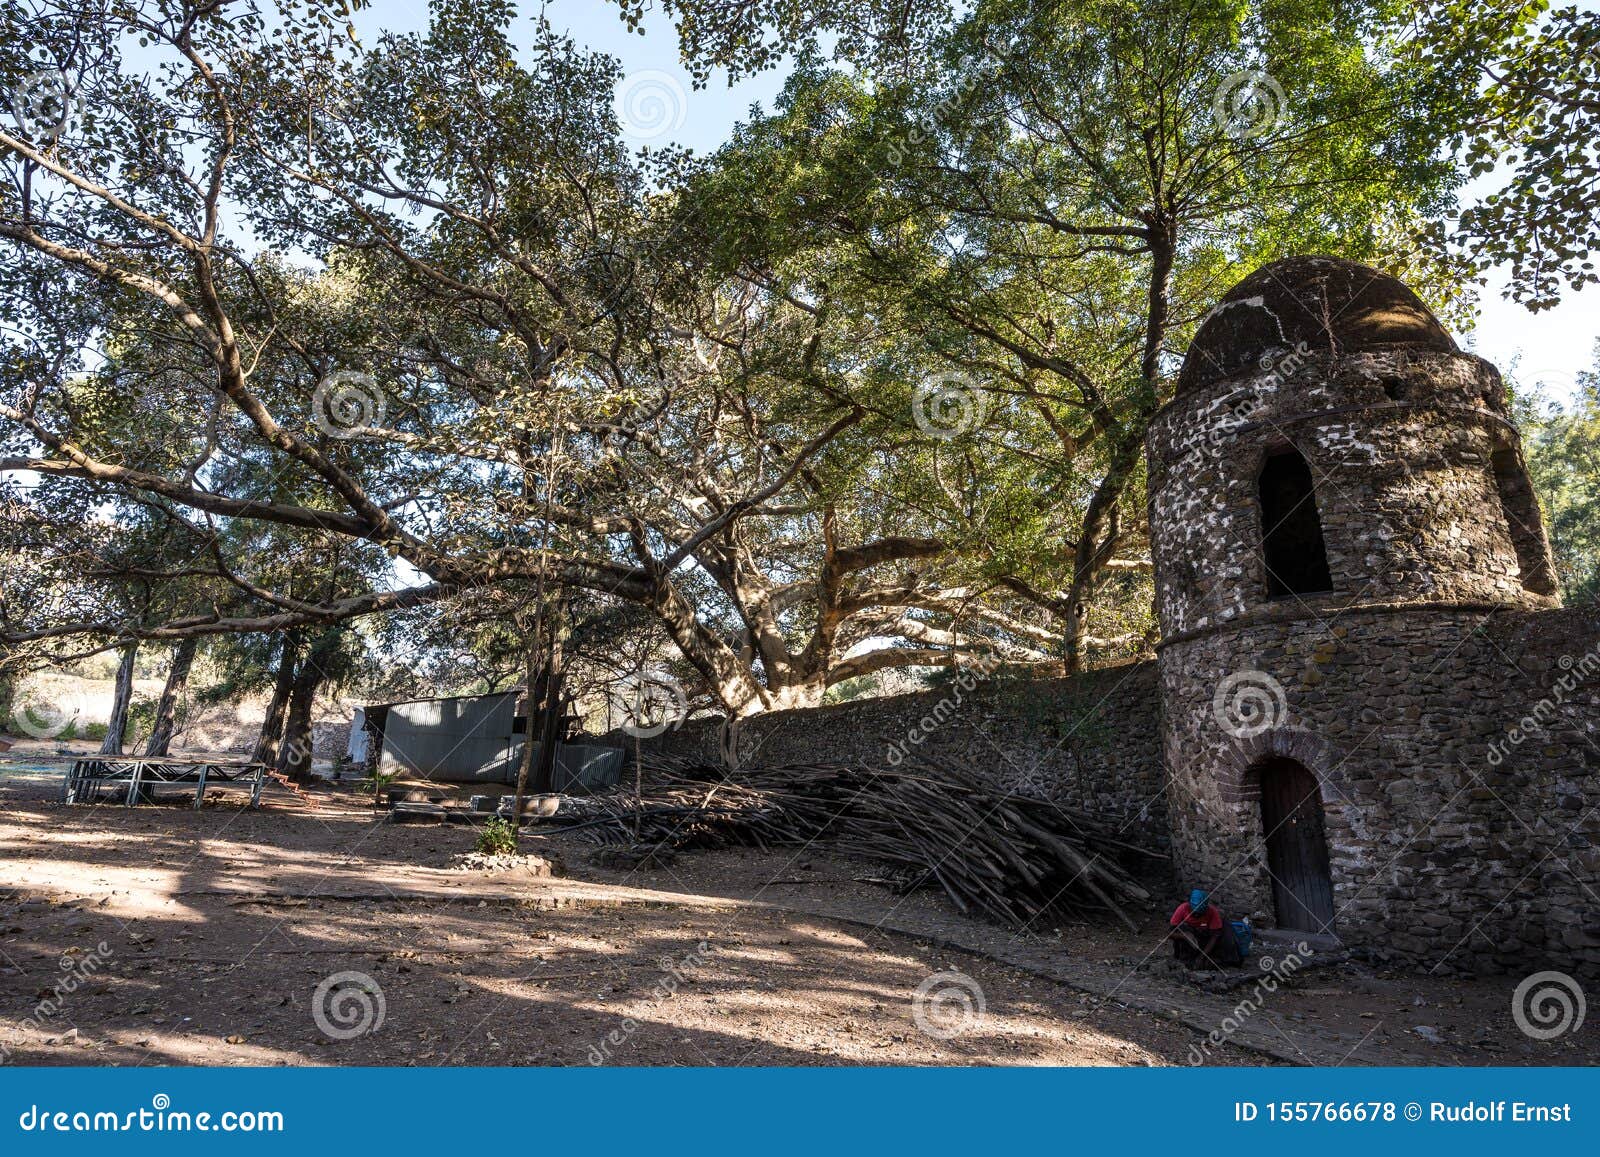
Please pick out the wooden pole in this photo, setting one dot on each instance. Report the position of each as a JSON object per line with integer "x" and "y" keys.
{"x": 638, "y": 784}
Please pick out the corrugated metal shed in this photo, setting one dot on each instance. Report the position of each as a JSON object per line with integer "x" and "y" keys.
{"x": 462, "y": 740}
{"x": 473, "y": 739}
{"x": 580, "y": 768}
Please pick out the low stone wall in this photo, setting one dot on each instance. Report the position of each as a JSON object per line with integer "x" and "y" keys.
{"x": 1090, "y": 742}
{"x": 1457, "y": 751}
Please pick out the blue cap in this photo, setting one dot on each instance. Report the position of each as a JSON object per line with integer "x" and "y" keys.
{"x": 1198, "y": 900}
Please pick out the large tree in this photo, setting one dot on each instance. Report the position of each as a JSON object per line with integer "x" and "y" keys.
{"x": 503, "y": 372}
{"x": 1517, "y": 87}
{"x": 412, "y": 310}
{"x": 1050, "y": 206}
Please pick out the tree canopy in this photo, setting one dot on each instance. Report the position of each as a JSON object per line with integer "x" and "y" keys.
{"x": 307, "y": 328}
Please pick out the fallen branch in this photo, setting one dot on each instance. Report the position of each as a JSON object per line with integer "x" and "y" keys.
{"x": 1011, "y": 858}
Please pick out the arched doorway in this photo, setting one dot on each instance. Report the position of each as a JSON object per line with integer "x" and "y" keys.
{"x": 1297, "y": 846}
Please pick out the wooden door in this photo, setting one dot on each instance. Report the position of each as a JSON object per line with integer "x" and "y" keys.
{"x": 1297, "y": 847}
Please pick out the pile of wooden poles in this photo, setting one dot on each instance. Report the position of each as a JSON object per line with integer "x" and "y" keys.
{"x": 1012, "y": 858}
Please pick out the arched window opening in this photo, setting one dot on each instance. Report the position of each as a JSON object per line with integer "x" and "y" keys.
{"x": 1291, "y": 530}
{"x": 1521, "y": 509}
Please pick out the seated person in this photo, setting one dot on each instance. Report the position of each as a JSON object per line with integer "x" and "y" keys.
{"x": 1201, "y": 938}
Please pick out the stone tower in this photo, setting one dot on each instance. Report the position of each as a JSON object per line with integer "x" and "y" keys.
{"x": 1338, "y": 506}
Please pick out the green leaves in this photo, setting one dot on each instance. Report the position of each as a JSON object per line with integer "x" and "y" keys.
{"x": 1517, "y": 93}
{"x": 1560, "y": 441}
{"x": 592, "y": 359}
{"x": 1048, "y": 202}
{"x": 747, "y": 36}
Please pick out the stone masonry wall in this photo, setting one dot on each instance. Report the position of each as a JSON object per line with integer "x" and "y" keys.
{"x": 1458, "y": 756}
{"x": 1400, "y": 445}
{"x": 1447, "y": 709}
{"x": 1088, "y": 742}
{"x": 1396, "y": 688}
{"x": 1458, "y": 753}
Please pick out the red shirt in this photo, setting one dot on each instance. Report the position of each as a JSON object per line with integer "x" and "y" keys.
{"x": 1211, "y": 917}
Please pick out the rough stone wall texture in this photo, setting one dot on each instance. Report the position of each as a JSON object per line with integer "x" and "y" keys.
{"x": 1448, "y": 841}
{"x": 1400, "y": 445}
{"x": 1455, "y": 834}
{"x": 1090, "y": 742}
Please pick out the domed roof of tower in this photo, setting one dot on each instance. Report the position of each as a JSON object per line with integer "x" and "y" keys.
{"x": 1331, "y": 304}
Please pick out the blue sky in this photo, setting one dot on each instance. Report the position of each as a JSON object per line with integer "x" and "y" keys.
{"x": 658, "y": 98}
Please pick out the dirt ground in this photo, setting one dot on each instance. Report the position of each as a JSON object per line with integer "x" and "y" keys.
{"x": 164, "y": 935}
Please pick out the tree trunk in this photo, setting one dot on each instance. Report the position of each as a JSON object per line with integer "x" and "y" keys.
{"x": 295, "y": 758}
{"x": 167, "y": 710}
{"x": 552, "y": 623}
{"x": 545, "y": 779}
{"x": 8, "y": 692}
{"x": 803, "y": 693}
{"x": 732, "y": 681}
{"x": 272, "y": 726}
{"x": 1097, "y": 542}
{"x": 525, "y": 763}
{"x": 728, "y": 741}
{"x": 1098, "y": 538}
{"x": 120, "y": 702}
